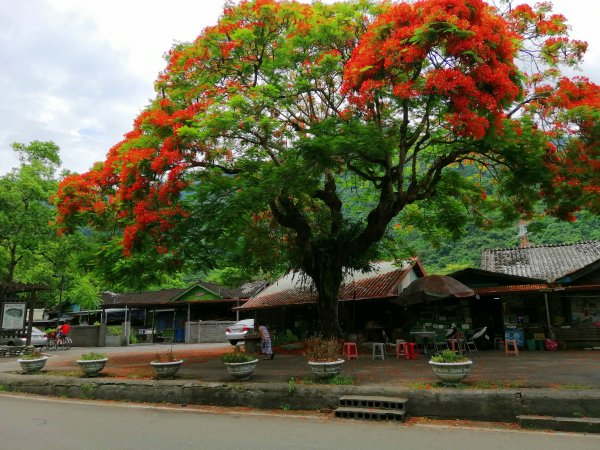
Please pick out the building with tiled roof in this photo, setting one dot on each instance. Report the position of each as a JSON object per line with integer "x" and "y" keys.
{"x": 166, "y": 312}
{"x": 385, "y": 280}
{"x": 162, "y": 297}
{"x": 542, "y": 290}
{"x": 202, "y": 291}
{"x": 550, "y": 263}
{"x": 364, "y": 306}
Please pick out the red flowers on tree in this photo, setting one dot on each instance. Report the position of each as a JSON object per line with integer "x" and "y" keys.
{"x": 338, "y": 118}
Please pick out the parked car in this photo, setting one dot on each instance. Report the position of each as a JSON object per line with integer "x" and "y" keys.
{"x": 239, "y": 330}
{"x": 38, "y": 338}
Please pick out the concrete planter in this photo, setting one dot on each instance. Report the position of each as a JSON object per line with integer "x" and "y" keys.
{"x": 326, "y": 369}
{"x": 451, "y": 373}
{"x": 166, "y": 370}
{"x": 92, "y": 367}
{"x": 241, "y": 370}
{"x": 33, "y": 365}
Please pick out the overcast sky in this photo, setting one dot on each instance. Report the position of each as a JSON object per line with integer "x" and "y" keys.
{"x": 77, "y": 72}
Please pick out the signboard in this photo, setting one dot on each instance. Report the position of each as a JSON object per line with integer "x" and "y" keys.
{"x": 514, "y": 334}
{"x": 13, "y": 316}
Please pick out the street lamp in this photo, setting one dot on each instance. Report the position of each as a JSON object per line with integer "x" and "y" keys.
{"x": 62, "y": 285}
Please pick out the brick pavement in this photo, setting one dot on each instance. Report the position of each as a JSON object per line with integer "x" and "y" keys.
{"x": 561, "y": 369}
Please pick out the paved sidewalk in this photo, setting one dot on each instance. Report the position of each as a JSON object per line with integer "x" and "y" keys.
{"x": 564, "y": 385}
{"x": 555, "y": 370}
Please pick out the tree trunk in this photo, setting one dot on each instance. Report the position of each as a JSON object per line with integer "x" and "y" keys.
{"x": 327, "y": 276}
{"x": 12, "y": 263}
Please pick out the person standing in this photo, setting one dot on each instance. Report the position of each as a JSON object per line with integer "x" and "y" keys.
{"x": 265, "y": 344}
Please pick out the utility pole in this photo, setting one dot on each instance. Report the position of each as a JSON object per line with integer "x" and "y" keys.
{"x": 60, "y": 298}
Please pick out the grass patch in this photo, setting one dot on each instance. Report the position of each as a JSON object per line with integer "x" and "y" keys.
{"x": 577, "y": 387}
{"x": 419, "y": 386}
{"x": 62, "y": 373}
{"x": 337, "y": 380}
{"x": 478, "y": 384}
{"x": 89, "y": 389}
{"x": 340, "y": 380}
{"x": 135, "y": 376}
{"x": 483, "y": 384}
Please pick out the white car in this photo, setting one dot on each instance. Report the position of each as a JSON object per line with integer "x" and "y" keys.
{"x": 38, "y": 338}
{"x": 239, "y": 330}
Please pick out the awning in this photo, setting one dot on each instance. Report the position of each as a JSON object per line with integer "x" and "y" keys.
{"x": 433, "y": 288}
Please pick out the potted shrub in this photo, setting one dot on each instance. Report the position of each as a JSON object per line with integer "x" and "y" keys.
{"x": 450, "y": 367}
{"x": 240, "y": 364}
{"x": 324, "y": 356}
{"x": 166, "y": 365}
{"x": 32, "y": 362}
{"x": 92, "y": 363}
{"x": 114, "y": 336}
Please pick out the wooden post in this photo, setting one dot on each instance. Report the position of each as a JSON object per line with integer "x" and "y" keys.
{"x": 30, "y": 317}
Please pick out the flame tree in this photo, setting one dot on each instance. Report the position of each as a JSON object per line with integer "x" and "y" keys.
{"x": 298, "y": 133}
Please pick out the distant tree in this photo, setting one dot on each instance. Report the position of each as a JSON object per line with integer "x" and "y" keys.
{"x": 298, "y": 133}
{"x": 25, "y": 211}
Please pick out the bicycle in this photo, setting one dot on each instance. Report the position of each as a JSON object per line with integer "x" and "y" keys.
{"x": 65, "y": 343}
{"x": 53, "y": 342}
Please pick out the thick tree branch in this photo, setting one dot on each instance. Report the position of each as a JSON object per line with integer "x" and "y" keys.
{"x": 333, "y": 202}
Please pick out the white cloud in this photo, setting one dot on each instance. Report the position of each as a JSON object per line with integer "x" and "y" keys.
{"x": 79, "y": 71}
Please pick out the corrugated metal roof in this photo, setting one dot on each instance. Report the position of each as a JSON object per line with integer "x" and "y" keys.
{"x": 296, "y": 289}
{"x": 511, "y": 289}
{"x": 544, "y": 262}
{"x": 170, "y": 296}
{"x": 140, "y": 298}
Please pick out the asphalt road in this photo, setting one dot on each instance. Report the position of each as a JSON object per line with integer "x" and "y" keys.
{"x": 28, "y": 422}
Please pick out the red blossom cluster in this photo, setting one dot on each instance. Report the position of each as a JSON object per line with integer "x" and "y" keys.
{"x": 457, "y": 51}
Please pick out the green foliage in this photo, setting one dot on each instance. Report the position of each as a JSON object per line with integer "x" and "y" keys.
{"x": 448, "y": 356}
{"x": 86, "y": 292}
{"x": 292, "y": 386}
{"x": 445, "y": 255}
{"x": 230, "y": 276}
{"x": 25, "y": 211}
{"x": 33, "y": 354}
{"x": 92, "y": 356}
{"x": 340, "y": 380}
{"x": 238, "y": 357}
{"x": 114, "y": 330}
{"x": 286, "y": 338}
{"x": 135, "y": 273}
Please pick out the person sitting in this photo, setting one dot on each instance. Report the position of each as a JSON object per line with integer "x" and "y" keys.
{"x": 62, "y": 331}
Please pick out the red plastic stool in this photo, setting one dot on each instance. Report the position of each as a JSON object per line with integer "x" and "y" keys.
{"x": 401, "y": 349}
{"x": 350, "y": 350}
{"x": 411, "y": 350}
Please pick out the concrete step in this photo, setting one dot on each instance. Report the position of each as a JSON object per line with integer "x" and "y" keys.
{"x": 370, "y": 414}
{"x": 574, "y": 424}
{"x": 362, "y": 401}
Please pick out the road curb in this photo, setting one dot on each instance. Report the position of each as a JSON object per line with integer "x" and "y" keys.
{"x": 572, "y": 424}
{"x": 444, "y": 403}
